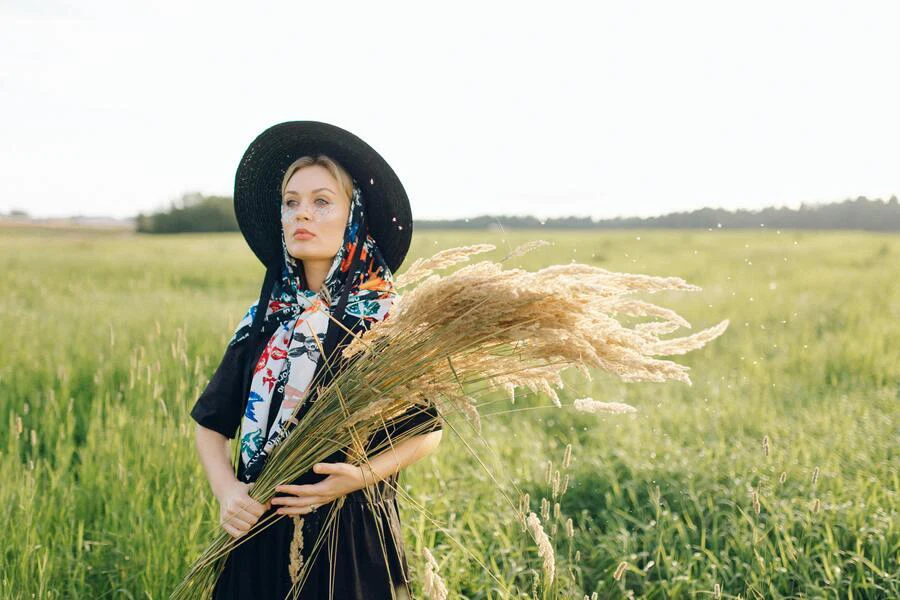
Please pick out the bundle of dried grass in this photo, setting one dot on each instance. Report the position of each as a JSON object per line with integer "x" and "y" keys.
{"x": 452, "y": 338}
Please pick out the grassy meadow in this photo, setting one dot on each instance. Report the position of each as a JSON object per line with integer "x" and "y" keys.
{"x": 775, "y": 475}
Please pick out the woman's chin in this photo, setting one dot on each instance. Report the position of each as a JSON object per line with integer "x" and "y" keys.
{"x": 303, "y": 250}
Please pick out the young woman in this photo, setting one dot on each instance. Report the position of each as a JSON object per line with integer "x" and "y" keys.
{"x": 330, "y": 237}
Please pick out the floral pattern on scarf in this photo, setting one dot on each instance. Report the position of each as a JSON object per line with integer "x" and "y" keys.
{"x": 288, "y": 361}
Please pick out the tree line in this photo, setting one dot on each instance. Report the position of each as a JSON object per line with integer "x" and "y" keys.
{"x": 191, "y": 213}
{"x": 198, "y": 213}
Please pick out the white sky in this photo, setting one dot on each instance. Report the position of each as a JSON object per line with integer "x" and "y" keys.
{"x": 619, "y": 109}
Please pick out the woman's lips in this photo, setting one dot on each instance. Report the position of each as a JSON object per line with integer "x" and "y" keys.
{"x": 304, "y": 235}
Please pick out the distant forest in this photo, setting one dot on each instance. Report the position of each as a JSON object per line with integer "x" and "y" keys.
{"x": 198, "y": 213}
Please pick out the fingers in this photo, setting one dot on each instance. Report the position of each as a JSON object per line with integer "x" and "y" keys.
{"x": 299, "y": 490}
{"x": 251, "y": 506}
{"x": 245, "y": 511}
{"x": 289, "y": 506}
{"x": 249, "y": 503}
{"x": 298, "y": 510}
{"x": 234, "y": 527}
{"x": 328, "y": 467}
{"x": 232, "y": 530}
{"x": 236, "y": 520}
{"x": 294, "y": 511}
{"x": 299, "y": 500}
{"x": 242, "y": 514}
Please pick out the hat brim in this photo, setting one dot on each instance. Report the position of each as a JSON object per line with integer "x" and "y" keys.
{"x": 257, "y": 187}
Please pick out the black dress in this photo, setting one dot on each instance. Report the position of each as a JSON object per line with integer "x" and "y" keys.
{"x": 361, "y": 556}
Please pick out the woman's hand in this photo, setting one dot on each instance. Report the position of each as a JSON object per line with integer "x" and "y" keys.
{"x": 346, "y": 477}
{"x": 343, "y": 479}
{"x": 238, "y": 512}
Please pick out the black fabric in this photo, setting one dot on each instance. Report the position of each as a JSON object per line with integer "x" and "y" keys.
{"x": 221, "y": 405}
{"x": 366, "y": 558}
{"x": 353, "y": 561}
{"x": 418, "y": 419}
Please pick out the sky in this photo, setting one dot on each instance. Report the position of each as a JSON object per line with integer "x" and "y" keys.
{"x": 598, "y": 109}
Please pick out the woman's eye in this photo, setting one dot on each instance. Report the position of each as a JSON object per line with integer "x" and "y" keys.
{"x": 292, "y": 203}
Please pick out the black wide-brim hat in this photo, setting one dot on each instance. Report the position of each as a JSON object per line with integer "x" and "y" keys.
{"x": 257, "y": 187}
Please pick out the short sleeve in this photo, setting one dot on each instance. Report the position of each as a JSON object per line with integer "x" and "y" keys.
{"x": 416, "y": 420}
{"x": 220, "y": 405}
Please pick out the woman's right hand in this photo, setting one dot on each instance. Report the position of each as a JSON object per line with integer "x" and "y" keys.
{"x": 238, "y": 512}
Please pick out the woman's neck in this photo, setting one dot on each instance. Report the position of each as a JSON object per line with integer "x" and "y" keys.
{"x": 315, "y": 271}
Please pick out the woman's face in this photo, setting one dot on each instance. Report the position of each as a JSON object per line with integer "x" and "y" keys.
{"x": 311, "y": 201}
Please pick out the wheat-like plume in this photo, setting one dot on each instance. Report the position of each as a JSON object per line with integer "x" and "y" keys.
{"x": 595, "y": 406}
{"x": 545, "y": 548}
{"x": 451, "y": 339}
{"x": 296, "y": 563}
{"x": 434, "y": 587}
{"x": 423, "y": 267}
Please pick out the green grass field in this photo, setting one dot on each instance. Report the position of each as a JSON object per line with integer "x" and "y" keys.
{"x": 108, "y": 339}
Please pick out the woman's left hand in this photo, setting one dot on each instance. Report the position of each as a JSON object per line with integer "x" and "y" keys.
{"x": 343, "y": 478}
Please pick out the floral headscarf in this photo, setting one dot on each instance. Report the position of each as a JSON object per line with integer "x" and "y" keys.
{"x": 289, "y": 360}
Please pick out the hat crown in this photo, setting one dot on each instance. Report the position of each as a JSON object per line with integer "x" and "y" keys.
{"x": 257, "y": 187}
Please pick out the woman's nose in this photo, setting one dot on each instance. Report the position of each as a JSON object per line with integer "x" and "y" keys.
{"x": 303, "y": 212}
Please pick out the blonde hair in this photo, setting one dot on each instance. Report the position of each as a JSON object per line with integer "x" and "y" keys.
{"x": 343, "y": 178}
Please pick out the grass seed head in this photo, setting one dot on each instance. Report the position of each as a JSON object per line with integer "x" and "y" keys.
{"x": 434, "y": 586}
{"x": 590, "y": 405}
{"x": 545, "y": 548}
{"x": 295, "y": 566}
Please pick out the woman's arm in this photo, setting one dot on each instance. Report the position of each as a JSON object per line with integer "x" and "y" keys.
{"x": 212, "y": 447}
{"x": 344, "y": 478}
{"x": 238, "y": 511}
{"x": 400, "y": 456}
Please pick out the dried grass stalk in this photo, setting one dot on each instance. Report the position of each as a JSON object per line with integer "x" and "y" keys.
{"x": 453, "y": 338}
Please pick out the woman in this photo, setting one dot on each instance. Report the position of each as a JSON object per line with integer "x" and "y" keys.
{"x": 330, "y": 249}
